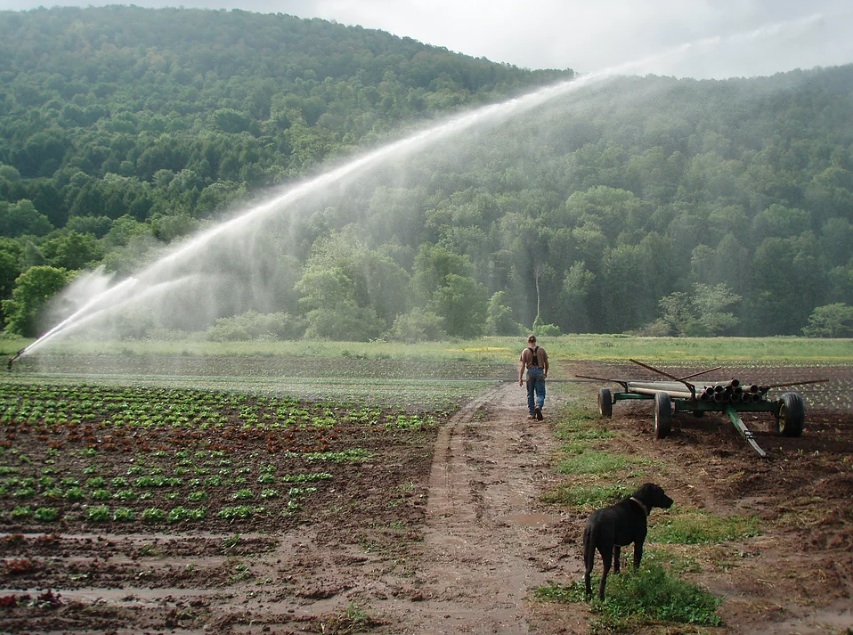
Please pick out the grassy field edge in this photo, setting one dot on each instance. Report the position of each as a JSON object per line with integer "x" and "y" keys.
{"x": 490, "y": 349}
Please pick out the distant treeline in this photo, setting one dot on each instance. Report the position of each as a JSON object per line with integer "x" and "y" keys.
{"x": 649, "y": 204}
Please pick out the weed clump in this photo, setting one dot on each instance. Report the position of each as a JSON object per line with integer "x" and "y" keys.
{"x": 635, "y": 599}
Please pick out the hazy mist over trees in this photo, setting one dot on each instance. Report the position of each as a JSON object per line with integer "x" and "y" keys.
{"x": 648, "y": 204}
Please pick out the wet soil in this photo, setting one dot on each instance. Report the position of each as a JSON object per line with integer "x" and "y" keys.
{"x": 448, "y": 534}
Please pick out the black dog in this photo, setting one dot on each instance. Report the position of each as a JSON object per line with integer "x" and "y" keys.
{"x": 611, "y": 528}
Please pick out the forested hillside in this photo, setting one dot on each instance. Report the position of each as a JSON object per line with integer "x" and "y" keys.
{"x": 639, "y": 204}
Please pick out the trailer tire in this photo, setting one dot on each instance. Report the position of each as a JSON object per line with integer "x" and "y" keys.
{"x": 605, "y": 403}
{"x": 791, "y": 415}
{"x": 663, "y": 415}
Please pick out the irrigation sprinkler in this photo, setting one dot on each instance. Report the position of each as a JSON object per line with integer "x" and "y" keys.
{"x": 729, "y": 396}
{"x": 12, "y": 359}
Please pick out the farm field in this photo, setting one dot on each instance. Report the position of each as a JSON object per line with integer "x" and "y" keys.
{"x": 253, "y": 494}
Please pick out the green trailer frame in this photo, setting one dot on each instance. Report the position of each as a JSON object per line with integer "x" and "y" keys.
{"x": 680, "y": 396}
{"x": 789, "y": 411}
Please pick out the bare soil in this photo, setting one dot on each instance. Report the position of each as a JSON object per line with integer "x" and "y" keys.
{"x": 448, "y": 534}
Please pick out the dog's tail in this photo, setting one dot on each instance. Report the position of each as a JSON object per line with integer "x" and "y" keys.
{"x": 588, "y": 548}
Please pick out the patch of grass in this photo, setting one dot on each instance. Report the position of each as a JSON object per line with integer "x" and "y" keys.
{"x": 652, "y": 594}
{"x": 674, "y": 561}
{"x": 242, "y": 572}
{"x": 487, "y": 349}
{"x": 560, "y": 593}
{"x": 352, "y": 620}
{"x": 580, "y": 430}
{"x": 597, "y": 462}
{"x": 586, "y": 496}
{"x": 231, "y": 542}
{"x": 577, "y": 420}
{"x": 693, "y": 526}
{"x": 638, "y": 599}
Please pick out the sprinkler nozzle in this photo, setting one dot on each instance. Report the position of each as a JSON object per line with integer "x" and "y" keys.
{"x": 13, "y": 358}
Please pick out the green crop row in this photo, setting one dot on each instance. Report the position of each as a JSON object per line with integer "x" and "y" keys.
{"x": 82, "y": 404}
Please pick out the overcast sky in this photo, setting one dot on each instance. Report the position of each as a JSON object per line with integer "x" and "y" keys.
{"x": 698, "y": 38}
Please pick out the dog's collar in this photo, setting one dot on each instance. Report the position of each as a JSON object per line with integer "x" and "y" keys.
{"x": 641, "y": 504}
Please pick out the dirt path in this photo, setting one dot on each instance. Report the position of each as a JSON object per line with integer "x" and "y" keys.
{"x": 487, "y": 542}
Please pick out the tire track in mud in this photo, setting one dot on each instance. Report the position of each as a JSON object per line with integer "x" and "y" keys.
{"x": 488, "y": 542}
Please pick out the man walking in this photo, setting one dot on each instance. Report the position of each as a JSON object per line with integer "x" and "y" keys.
{"x": 534, "y": 360}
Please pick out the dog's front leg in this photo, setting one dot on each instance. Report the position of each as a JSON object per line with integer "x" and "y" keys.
{"x": 617, "y": 552}
{"x": 638, "y": 553}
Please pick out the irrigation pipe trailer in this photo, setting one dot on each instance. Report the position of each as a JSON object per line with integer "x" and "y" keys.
{"x": 730, "y": 397}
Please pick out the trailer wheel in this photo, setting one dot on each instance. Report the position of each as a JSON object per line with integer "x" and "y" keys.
{"x": 605, "y": 403}
{"x": 663, "y": 415}
{"x": 791, "y": 416}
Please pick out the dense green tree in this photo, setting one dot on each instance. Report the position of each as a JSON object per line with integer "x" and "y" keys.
{"x": 613, "y": 210}
{"x": 41, "y": 153}
{"x": 462, "y": 303}
{"x": 831, "y": 320}
{"x": 499, "y": 320}
{"x": 33, "y": 290}
{"x": 633, "y": 278}
{"x": 257, "y": 326}
{"x": 840, "y": 283}
{"x": 97, "y": 226}
{"x": 710, "y": 304}
{"x": 702, "y": 312}
{"x": 790, "y": 282}
{"x": 22, "y": 218}
{"x": 836, "y": 239}
{"x": 417, "y": 326}
{"x": 349, "y": 288}
{"x": 123, "y": 229}
{"x": 383, "y": 285}
{"x": 11, "y": 185}
{"x": 169, "y": 227}
{"x": 730, "y": 264}
{"x": 780, "y": 221}
{"x": 433, "y": 264}
{"x": 71, "y": 250}
{"x": 10, "y": 269}
{"x": 341, "y": 319}
{"x": 576, "y": 298}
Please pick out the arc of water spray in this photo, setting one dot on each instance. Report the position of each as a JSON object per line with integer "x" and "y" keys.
{"x": 114, "y": 297}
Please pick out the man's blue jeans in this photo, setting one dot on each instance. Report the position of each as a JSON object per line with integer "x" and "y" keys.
{"x": 535, "y": 384}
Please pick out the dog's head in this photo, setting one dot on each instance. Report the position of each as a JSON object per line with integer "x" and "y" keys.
{"x": 653, "y": 496}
